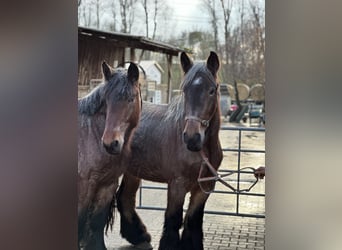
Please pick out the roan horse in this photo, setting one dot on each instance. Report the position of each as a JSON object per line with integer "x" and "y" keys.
{"x": 167, "y": 147}
{"x": 107, "y": 118}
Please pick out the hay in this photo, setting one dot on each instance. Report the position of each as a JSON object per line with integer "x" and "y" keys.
{"x": 258, "y": 92}
{"x": 243, "y": 91}
{"x": 231, "y": 91}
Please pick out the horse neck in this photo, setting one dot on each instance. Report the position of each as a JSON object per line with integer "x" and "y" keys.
{"x": 212, "y": 146}
{"x": 215, "y": 123}
{"x": 214, "y": 128}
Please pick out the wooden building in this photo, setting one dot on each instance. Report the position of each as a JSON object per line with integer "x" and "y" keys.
{"x": 94, "y": 46}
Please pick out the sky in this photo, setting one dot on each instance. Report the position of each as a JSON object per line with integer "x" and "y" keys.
{"x": 188, "y": 14}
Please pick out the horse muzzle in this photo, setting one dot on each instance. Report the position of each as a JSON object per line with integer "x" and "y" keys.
{"x": 194, "y": 142}
{"x": 193, "y": 134}
{"x": 114, "y": 148}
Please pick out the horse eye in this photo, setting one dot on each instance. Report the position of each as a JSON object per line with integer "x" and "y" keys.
{"x": 212, "y": 91}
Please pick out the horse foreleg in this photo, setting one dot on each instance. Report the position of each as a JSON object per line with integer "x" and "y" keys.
{"x": 97, "y": 223}
{"x": 132, "y": 227}
{"x": 192, "y": 236}
{"x": 96, "y": 219}
{"x": 93, "y": 239}
{"x": 173, "y": 216}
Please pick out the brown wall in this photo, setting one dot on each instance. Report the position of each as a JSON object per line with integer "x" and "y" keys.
{"x": 91, "y": 52}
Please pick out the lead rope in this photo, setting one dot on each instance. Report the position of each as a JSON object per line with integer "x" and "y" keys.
{"x": 218, "y": 177}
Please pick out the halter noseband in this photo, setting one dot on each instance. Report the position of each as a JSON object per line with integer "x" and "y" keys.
{"x": 204, "y": 123}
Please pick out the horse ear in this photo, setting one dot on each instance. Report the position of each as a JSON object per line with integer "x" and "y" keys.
{"x": 213, "y": 63}
{"x": 133, "y": 72}
{"x": 186, "y": 62}
{"x": 106, "y": 71}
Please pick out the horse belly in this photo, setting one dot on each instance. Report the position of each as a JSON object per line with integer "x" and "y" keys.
{"x": 164, "y": 167}
{"x": 148, "y": 171}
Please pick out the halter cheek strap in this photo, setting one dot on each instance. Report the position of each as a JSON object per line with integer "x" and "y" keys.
{"x": 204, "y": 123}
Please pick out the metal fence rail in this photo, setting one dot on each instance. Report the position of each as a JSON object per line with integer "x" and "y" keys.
{"x": 239, "y": 150}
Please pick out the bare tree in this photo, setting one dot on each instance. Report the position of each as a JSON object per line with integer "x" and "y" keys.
{"x": 227, "y": 6}
{"x": 86, "y": 14}
{"x": 89, "y": 11}
{"x": 97, "y": 9}
{"x": 233, "y": 52}
{"x": 145, "y": 6}
{"x": 210, "y": 6}
{"x": 113, "y": 9}
{"x": 160, "y": 7}
{"x": 258, "y": 39}
{"x": 152, "y": 16}
{"x": 79, "y": 10}
{"x": 127, "y": 14}
{"x": 227, "y": 9}
{"x": 247, "y": 44}
{"x": 241, "y": 54}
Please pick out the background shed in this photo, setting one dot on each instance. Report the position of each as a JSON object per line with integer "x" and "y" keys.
{"x": 115, "y": 48}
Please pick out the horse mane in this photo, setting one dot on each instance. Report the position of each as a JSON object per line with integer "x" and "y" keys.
{"x": 94, "y": 101}
{"x": 175, "y": 110}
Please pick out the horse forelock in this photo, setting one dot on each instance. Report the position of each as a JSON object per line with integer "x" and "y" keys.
{"x": 196, "y": 70}
{"x": 175, "y": 109}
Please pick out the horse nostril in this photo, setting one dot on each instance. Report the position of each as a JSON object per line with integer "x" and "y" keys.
{"x": 115, "y": 143}
{"x": 197, "y": 137}
{"x": 194, "y": 142}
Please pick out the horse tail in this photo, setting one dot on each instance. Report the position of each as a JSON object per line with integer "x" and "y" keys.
{"x": 111, "y": 215}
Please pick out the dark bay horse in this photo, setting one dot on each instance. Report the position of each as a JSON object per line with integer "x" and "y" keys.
{"x": 107, "y": 118}
{"x": 167, "y": 147}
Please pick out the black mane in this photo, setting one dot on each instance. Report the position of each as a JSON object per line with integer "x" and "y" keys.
{"x": 92, "y": 103}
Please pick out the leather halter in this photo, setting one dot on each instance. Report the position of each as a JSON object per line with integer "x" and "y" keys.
{"x": 204, "y": 123}
{"x": 217, "y": 177}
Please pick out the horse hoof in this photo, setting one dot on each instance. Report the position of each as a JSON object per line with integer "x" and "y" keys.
{"x": 144, "y": 245}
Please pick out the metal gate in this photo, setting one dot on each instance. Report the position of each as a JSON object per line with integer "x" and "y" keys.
{"x": 231, "y": 203}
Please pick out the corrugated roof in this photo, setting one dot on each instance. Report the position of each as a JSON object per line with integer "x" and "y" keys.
{"x": 132, "y": 41}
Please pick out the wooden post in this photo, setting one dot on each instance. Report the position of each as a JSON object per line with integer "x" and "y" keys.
{"x": 132, "y": 54}
{"x": 169, "y": 87}
{"x": 122, "y": 59}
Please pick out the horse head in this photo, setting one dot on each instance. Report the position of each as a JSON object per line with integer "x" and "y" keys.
{"x": 123, "y": 106}
{"x": 200, "y": 91}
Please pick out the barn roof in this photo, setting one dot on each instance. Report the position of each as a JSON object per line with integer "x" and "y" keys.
{"x": 133, "y": 41}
